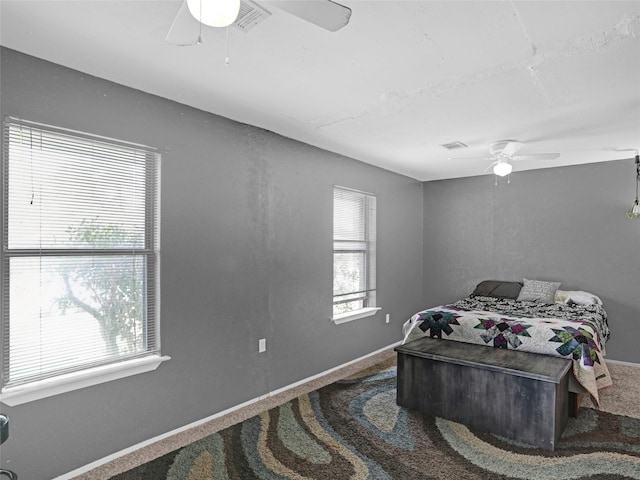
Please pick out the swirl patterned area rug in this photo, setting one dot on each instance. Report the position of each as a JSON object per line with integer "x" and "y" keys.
{"x": 352, "y": 429}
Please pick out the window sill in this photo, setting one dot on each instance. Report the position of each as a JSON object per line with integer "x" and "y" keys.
{"x": 350, "y": 316}
{"x": 77, "y": 380}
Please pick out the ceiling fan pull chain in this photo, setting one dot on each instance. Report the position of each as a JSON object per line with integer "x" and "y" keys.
{"x": 199, "y": 41}
{"x": 226, "y": 58}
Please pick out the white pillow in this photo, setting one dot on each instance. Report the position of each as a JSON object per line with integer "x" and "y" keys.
{"x": 578, "y": 297}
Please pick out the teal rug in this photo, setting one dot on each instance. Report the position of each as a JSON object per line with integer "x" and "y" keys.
{"x": 352, "y": 429}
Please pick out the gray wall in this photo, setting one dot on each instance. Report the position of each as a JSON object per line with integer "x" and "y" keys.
{"x": 563, "y": 224}
{"x": 246, "y": 254}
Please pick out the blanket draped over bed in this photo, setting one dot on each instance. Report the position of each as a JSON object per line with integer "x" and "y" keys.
{"x": 577, "y": 332}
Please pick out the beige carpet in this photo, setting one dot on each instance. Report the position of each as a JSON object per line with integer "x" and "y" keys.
{"x": 145, "y": 454}
{"x": 623, "y": 398}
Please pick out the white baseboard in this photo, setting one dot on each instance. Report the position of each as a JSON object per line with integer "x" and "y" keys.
{"x": 138, "y": 446}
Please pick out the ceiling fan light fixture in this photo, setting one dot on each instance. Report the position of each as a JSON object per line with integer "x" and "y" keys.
{"x": 502, "y": 169}
{"x": 215, "y": 13}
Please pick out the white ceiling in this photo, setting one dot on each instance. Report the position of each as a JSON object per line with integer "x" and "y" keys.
{"x": 402, "y": 78}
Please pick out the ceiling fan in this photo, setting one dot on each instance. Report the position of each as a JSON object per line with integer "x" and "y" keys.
{"x": 186, "y": 28}
{"x": 503, "y": 152}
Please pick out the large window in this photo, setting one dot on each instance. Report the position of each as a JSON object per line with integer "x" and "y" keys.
{"x": 80, "y": 255}
{"x": 354, "y": 252}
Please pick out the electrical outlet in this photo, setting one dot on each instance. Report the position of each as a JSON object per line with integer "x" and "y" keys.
{"x": 387, "y": 319}
{"x": 262, "y": 345}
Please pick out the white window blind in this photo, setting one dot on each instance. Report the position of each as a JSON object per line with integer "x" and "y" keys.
{"x": 354, "y": 246}
{"x": 80, "y": 283}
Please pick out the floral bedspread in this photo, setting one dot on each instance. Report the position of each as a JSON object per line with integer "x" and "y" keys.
{"x": 577, "y": 332}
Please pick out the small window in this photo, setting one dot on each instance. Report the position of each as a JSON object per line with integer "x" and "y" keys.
{"x": 80, "y": 284}
{"x": 354, "y": 251}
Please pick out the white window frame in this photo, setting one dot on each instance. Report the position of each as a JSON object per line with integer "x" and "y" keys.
{"x": 367, "y": 248}
{"x": 69, "y": 379}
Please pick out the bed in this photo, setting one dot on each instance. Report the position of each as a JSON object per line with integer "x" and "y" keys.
{"x": 533, "y": 316}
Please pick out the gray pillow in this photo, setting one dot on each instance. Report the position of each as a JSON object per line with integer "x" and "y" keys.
{"x": 538, "y": 291}
{"x": 498, "y": 289}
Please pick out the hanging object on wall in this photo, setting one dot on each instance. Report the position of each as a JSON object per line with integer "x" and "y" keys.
{"x": 634, "y": 211}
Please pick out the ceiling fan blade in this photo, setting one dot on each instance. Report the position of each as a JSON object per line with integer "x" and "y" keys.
{"x": 621, "y": 150}
{"x": 511, "y": 148}
{"x": 492, "y": 165}
{"x": 324, "y": 13}
{"x": 185, "y": 30}
{"x": 537, "y": 156}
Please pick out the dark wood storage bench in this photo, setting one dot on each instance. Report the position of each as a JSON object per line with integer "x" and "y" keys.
{"x": 518, "y": 395}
